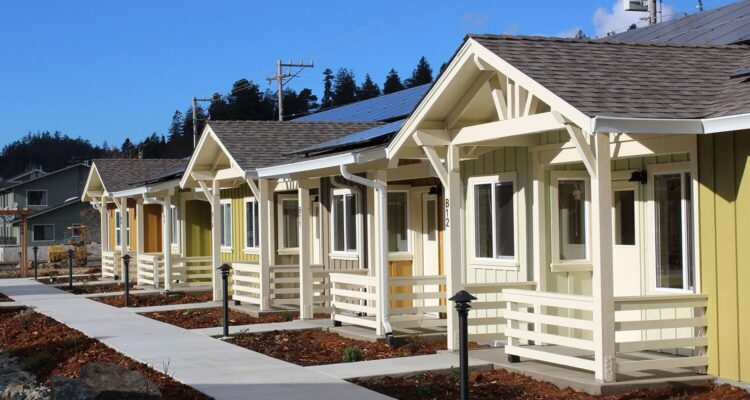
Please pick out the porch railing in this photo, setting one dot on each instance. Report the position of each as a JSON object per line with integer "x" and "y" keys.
{"x": 354, "y": 298}
{"x": 150, "y": 269}
{"x": 283, "y": 285}
{"x": 487, "y": 315}
{"x": 192, "y": 271}
{"x": 111, "y": 264}
{"x": 558, "y": 328}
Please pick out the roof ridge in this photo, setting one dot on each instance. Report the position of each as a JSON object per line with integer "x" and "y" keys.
{"x": 295, "y": 121}
{"x": 603, "y": 41}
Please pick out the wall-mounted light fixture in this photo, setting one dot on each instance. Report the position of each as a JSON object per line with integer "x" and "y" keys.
{"x": 639, "y": 176}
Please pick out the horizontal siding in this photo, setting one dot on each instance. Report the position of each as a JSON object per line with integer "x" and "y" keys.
{"x": 237, "y": 196}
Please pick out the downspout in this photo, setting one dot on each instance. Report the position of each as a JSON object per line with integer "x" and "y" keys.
{"x": 166, "y": 241}
{"x": 383, "y": 224}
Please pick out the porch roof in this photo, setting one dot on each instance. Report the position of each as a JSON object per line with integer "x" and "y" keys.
{"x": 117, "y": 175}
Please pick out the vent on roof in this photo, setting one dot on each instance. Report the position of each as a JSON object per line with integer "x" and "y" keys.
{"x": 741, "y": 73}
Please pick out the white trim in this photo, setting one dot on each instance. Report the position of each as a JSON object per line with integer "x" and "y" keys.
{"x": 33, "y": 234}
{"x": 347, "y": 254}
{"x": 145, "y": 189}
{"x": 332, "y": 161}
{"x": 558, "y": 265}
{"x": 408, "y": 254}
{"x": 46, "y": 198}
{"x": 250, "y": 249}
{"x": 280, "y": 199}
{"x": 224, "y": 247}
{"x": 671, "y": 126}
{"x": 118, "y": 230}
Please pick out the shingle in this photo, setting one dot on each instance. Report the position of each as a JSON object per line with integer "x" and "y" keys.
{"x": 124, "y": 173}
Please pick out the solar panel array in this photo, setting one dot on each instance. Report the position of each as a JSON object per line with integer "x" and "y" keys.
{"x": 724, "y": 25}
{"x": 379, "y": 134}
{"x": 382, "y": 108}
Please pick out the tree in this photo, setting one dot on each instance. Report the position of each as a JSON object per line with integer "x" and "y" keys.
{"x": 392, "y": 82}
{"x": 219, "y": 108}
{"x": 581, "y": 35}
{"x": 302, "y": 103}
{"x": 344, "y": 87}
{"x": 247, "y": 102}
{"x": 327, "y": 101}
{"x": 368, "y": 89}
{"x": 421, "y": 75}
{"x": 175, "y": 129}
{"x": 128, "y": 150}
{"x": 49, "y": 151}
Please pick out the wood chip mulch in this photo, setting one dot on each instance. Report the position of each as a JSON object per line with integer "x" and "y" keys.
{"x": 48, "y": 348}
{"x": 501, "y": 384}
{"x": 156, "y": 299}
{"x": 211, "y": 317}
{"x": 5, "y": 299}
{"x": 316, "y": 347}
{"x": 91, "y": 289}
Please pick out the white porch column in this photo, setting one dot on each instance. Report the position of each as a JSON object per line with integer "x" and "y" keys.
{"x": 216, "y": 227}
{"x": 453, "y": 240}
{"x": 265, "y": 223}
{"x": 305, "y": 273}
{"x": 167, "y": 244}
{"x": 601, "y": 233}
{"x": 122, "y": 204}
{"x": 378, "y": 233}
{"x": 104, "y": 224}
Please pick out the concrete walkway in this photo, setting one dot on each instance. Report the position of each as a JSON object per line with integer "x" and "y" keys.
{"x": 269, "y": 327}
{"x": 219, "y": 369}
{"x": 404, "y": 366}
{"x": 173, "y": 307}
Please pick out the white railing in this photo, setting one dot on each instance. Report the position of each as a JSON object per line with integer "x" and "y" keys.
{"x": 150, "y": 269}
{"x": 487, "y": 315}
{"x": 246, "y": 283}
{"x": 418, "y": 301}
{"x": 110, "y": 264}
{"x": 192, "y": 271}
{"x": 353, "y": 298}
{"x": 283, "y": 285}
{"x": 671, "y": 328}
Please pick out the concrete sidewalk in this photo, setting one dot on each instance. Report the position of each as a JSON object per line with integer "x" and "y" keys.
{"x": 403, "y": 366}
{"x": 269, "y": 327}
{"x": 173, "y": 307}
{"x": 218, "y": 369}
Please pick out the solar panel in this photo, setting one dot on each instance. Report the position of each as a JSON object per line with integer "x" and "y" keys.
{"x": 378, "y": 134}
{"x": 382, "y": 108}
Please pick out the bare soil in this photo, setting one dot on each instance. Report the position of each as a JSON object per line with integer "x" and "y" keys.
{"x": 48, "y": 348}
{"x": 211, "y": 317}
{"x": 500, "y": 384}
{"x": 91, "y": 289}
{"x": 156, "y": 299}
{"x": 316, "y": 347}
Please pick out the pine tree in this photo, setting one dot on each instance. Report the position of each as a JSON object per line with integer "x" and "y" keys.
{"x": 219, "y": 108}
{"x": 581, "y": 35}
{"x": 127, "y": 149}
{"x": 392, "y": 82}
{"x": 368, "y": 89}
{"x": 175, "y": 129}
{"x": 344, "y": 87}
{"x": 327, "y": 101}
{"x": 421, "y": 75}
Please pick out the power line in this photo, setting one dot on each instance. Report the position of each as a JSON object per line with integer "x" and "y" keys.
{"x": 281, "y": 75}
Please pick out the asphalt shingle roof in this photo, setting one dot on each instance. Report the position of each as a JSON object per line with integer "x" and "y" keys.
{"x": 125, "y": 173}
{"x": 385, "y": 108}
{"x": 258, "y": 144}
{"x": 729, "y": 24}
{"x": 628, "y": 79}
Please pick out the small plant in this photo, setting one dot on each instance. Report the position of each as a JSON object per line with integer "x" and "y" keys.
{"x": 165, "y": 367}
{"x": 26, "y": 317}
{"x": 288, "y": 317}
{"x": 353, "y": 354}
{"x": 515, "y": 390}
{"x": 454, "y": 375}
{"x": 71, "y": 342}
{"x": 37, "y": 361}
{"x": 189, "y": 312}
{"x": 414, "y": 343}
{"x": 426, "y": 389}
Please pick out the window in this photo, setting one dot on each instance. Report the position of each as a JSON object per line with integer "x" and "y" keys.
{"x": 289, "y": 215}
{"x": 494, "y": 218}
{"x": 43, "y": 233}
{"x": 673, "y": 226}
{"x": 344, "y": 212}
{"x": 127, "y": 228}
{"x": 624, "y": 217}
{"x": 175, "y": 228}
{"x": 252, "y": 228}
{"x": 569, "y": 206}
{"x": 36, "y": 197}
{"x": 398, "y": 218}
{"x": 225, "y": 209}
{"x": 118, "y": 230}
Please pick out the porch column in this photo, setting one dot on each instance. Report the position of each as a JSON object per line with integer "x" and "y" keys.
{"x": 305, "y": 273}
{"x": 453, "y": 241}
{"x": 123, "y": 206}
{"x": 265, "y": 221}
{"x": 104, "y": 224}
{"x": 216, "y": 227}
{"x": 380, "y": 267}
{"x": 601, "y": 234}
{"x": 167, "y": 244}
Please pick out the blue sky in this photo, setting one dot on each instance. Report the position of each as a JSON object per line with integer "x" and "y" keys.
{"x": 107, "y": 70}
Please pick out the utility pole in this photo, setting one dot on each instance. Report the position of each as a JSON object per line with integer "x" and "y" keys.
{"x": 195, "y": 120}
{"x": 651, "y": 12}
{"x": 700, "y": 6}
{"x": 279, "y": 78}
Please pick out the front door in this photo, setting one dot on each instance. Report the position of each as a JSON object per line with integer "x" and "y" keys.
{"x": 430, "y": 251}
{"x": 626, "y": 254}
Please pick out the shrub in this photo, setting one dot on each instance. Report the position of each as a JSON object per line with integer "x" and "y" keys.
{"x": 36, "y": 361}
{"x": 426, "y": 389}
{"x": 353, "y": 354}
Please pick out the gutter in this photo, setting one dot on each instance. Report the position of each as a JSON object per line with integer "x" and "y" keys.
{"x": 698, "y": 126}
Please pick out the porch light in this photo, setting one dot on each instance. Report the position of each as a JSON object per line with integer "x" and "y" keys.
{"x": 639, "y": 176}
{"x": 434, "y": 190}
{"x": 462, "y": 300}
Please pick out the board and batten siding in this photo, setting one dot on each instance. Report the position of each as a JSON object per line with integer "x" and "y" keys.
{"x": 724, "y": 176}
{"x": 238, "y": 253}
{"x": 133, "y": 227}
{"x": 325, "y": 195}
{"x": 197, "y": 225}
{"x": 152, "y": 228}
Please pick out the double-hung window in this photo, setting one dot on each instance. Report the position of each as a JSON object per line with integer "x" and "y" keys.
{"x": 569, "y": 217}
{"x": 398, "y": 218}
{"x": 673, "y": 230}
{"x": 225, "y": 209}
{"x": 43, "y": 233}
{"x": 252, "y": 227}
{"x": 495, "y": 229}
{"x": 118, "y": 230}
{"x": 36, "y": 197}
{"x": 174, "y": 232}
{"x": 287, "y": 207}
{"x": 344, "y": 214}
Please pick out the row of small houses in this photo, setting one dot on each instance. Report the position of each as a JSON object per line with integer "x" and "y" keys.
{"x": 591, "y": 194}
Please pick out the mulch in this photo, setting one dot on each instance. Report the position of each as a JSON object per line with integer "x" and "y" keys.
{"x": 156, "y": 299}
{"x": 5, "y": 299}
{"x": 48, "y": 348}
{"x": 57, "y": 279}
{"x": 501, "y": 384}
{"x": 91, "y": 289}
{"x": 317, "y": 347}
{"x": 211, "y": 317}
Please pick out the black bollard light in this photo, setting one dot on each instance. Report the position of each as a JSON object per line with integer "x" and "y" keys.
{"x": 462, "y": 300}
{"x": 70, "y": 268}
{"x": 126, "y": 271}
{"x": 225, "y": 268}
{"x": 36, "y": 263}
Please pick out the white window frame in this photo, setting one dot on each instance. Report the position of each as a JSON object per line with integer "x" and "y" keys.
{"x": 668, "y": 169}
{"x": 280, "y": 199}
{"x": 46, "y": 198}
{"x": 226, "y": 248}
{"x": 250, "y": 249}
{"x": 127, "y": 228}
{"x": 409, "y": 253}
{"x": 118, "y": 229}
{"x": 175, "y": 233}
{"x": 33, "y": 235}
{"x": 347, "y": 254}
{"x": 510, "y": 263}
{"x": 558, "y": 265}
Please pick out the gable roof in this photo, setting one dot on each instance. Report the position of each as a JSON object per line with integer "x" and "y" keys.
{"x": 385, "y": 108}
{"x": 15, "y": 184}
{"x": 628, "y": 79}
{"x": 123, "y": 173}
{"x": 729, "y": 24}
{"x": 257, "y": 144}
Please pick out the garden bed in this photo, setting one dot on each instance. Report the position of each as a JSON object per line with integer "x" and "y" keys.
{"x": 91, "y": 289}
{"x": 157, "y": 299}
{"x": 211, "y": 318}
{"x": 48, "y": 348}
{"x": 5, "y": 299}
{"x": 501, "y": 384}
{"x": 317, "y": 347}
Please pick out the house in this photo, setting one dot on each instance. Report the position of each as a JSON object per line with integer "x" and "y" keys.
{"x": 144, "y": 214}
{"x": 53, "y": 197}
